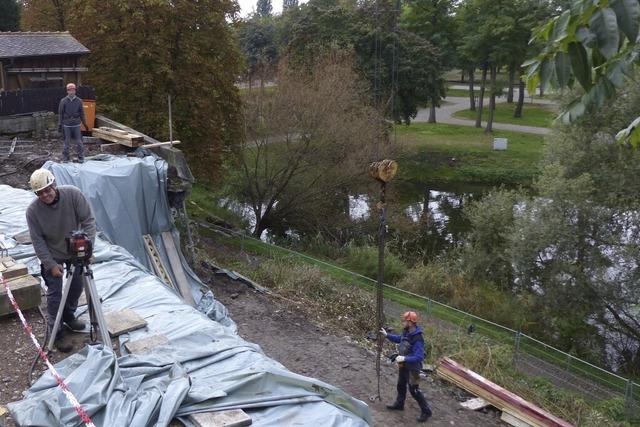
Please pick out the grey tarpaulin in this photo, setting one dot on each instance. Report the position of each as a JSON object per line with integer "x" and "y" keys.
{"x": 205, "y": 365}
{"x": 128, "y": 196}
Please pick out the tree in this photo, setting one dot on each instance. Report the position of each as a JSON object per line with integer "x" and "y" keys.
{"x": 257, "y": 38}
{"x": 143, "y": 51}
{"x": 9, "y": 15}
{"x": 432, "y": 20}
{"x": 288, "y": 5}
{"x": 306, "y": 142}
{"x": 47, "y": 15}
{"x": 593, "y": 44}
{"x": 264, "y": 8}
{"x": 576, "y": 243}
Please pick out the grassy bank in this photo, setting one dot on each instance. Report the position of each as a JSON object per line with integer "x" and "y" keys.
{"x": 532, "y": 114}
{"x": 297, "y": 276}
{"x": 461, "y": 154}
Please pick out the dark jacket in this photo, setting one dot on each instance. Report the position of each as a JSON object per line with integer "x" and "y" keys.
{"x": 414, "y": 343}
{"x": 70, "y": 112}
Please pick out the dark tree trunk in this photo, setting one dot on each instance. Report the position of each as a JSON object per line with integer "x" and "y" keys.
{"x": 432, "y": 112}
{"x": 512, "y": 78}
{"x": 518, "y": 112}
{"x": 462, "y": 75}
{"x": 472, "y": 94}
{"x": 481, "y": 98}
{"x": 492, "y": 99}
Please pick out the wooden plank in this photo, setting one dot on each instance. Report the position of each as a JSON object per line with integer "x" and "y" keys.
{"x": 513, "y": 420}
{"x": 497, "y": 396}
{"x": 475, "y": 404}
{"x": 144, "y": 345}
{"x": 231, "y": 418}
{"x": 160, "y": 144}
{"x": 176, "y": 267}
{"x": 118, "y": 136}
{"x": 25, "y": 289}
{"x": 11, "y": 269}
{"x": 123, "y": 321}
{"x": 156, "y": 261}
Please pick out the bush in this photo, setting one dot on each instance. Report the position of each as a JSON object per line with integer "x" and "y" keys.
{"x": 364, "y": 260}
{"x": 440, "y": 281}
{"x": 319, "y": 293}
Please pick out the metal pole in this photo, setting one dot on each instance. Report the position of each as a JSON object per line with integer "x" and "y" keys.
{"x": 517, "y": 347}
{"x": 379, "y": 289}
{"x": 170, "y": 122}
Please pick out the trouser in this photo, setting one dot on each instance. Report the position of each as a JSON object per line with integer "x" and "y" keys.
{"x": 54, "y": 295}
{"x": 412, "y": 378}
{"x": 72, "y": 133}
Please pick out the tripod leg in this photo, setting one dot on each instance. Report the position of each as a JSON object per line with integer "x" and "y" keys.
{"x": 65, "y": 292}
{"x": 97, "y": 309}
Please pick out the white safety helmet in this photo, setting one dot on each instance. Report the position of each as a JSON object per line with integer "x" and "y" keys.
{"x": 41, "y": 179}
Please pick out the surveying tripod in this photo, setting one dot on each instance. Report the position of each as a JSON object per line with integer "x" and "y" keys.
{"x": 80, "y": 245}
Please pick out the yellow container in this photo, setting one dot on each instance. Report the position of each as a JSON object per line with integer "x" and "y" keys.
{"x": 89, "y": 106}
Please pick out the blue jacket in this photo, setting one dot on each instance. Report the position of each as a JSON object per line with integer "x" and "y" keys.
{"x": 415, "y": 342}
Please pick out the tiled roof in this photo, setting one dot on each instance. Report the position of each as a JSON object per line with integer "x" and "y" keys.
{"x": 39, "y": 44}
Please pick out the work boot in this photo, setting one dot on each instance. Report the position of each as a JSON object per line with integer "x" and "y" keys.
{"x": 424, "y": 416}
{"x": 75, "y": 325}
{"x": 62, "y": 345}
{"x": 397, "y": 406}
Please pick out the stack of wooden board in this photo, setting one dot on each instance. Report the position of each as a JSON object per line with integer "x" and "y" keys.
{"x": 515, "y": 410}
{"x": 24, "y": 287}
{"x": 11, "y": 269}
{"x": 118, "y": 136}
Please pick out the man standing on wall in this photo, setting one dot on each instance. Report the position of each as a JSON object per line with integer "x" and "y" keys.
{"x": 70, "y": 116}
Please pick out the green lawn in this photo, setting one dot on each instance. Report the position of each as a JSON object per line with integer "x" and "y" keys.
{"x": 458, "y": 92}
{"x": 532, "y": 115}
{"x": 429, "y": 148}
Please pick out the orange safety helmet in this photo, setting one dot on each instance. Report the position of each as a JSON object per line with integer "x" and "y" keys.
{"x": 411, "y": 316}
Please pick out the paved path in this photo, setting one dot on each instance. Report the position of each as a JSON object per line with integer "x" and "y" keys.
{"x": 454, "y": 104}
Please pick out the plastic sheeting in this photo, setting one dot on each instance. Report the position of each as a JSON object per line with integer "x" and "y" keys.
{"x": 128, "y": 196}
{"x": 205, "y": 366}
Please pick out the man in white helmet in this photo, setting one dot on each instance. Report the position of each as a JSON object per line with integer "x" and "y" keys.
{"x": 70, "y": 116}
{"x": 51, "y": 218}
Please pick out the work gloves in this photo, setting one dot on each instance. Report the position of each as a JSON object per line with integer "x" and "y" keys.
{"x": 400, "y": 359}
{"x": 383, "y": 332}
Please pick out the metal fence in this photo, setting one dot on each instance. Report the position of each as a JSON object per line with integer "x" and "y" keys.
{"x": 561, "y": 368}
{"x": 32, "y": 100}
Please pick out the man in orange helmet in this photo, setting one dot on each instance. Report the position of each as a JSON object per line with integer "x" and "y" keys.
{"x": 409, "y": 360}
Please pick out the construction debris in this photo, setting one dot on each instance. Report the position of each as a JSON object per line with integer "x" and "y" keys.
{"x": 122, "y": 321}
{"x": 475, "y": 404}
{"x": 519, "y": 412}
{"x": 232, "y": 418}
{"x": 118, "y": 136}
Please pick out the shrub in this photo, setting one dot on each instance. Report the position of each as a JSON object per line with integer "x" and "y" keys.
{"x": 364, "y": 260}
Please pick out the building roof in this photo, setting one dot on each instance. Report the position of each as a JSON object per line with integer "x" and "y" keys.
{"x": 20, "y": 44}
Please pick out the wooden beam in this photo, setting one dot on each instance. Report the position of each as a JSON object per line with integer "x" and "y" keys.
{"x": 499, "y": 397}
{"x": 176, "y": 267}
{"x": 160, "y": 144}
{"x": 118, "y": 136}
{"x": 21, "y": 70}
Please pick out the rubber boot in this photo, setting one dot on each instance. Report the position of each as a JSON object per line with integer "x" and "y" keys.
{"x": 396, "y": 406}
{"x": 425, "y": 410}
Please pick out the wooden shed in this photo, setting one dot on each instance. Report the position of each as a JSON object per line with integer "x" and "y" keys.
{"x": 30, "y": 60}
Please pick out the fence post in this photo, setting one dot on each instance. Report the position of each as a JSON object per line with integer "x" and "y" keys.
{"x": 628, "y": 398}
{"x": 567, "y": 363}
{"x": 428, "y": 306}
{"x": 516, "y": 348}
{"x": 241, "y": 242}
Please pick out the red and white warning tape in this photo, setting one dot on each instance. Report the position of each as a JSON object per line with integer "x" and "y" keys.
{"x": 83, "y": 415}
